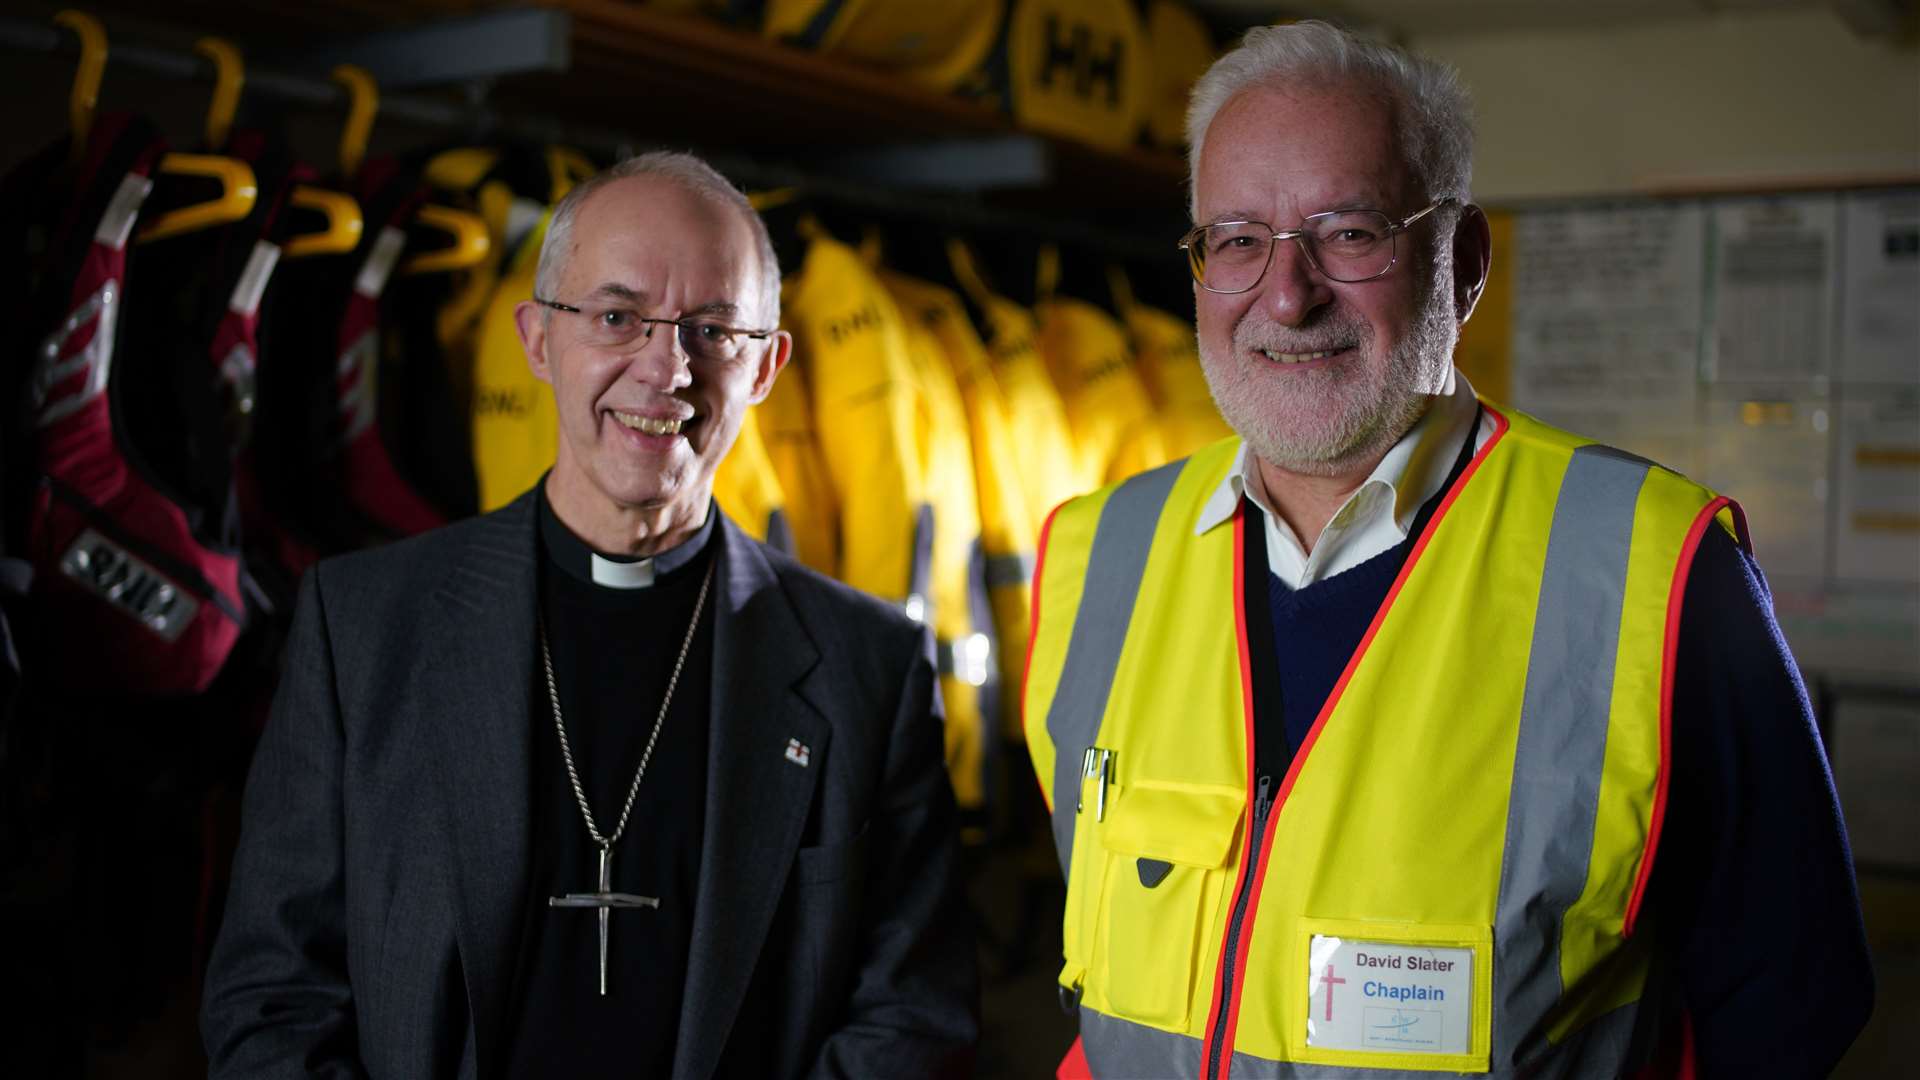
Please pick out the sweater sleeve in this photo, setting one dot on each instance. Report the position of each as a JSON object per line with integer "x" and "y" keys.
{"x": 1754, "y": 887}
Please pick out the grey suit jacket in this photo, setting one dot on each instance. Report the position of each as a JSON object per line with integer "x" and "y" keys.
{"x": 382, "y": 865}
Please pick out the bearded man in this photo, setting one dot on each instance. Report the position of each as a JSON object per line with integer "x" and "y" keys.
{"x": 1405, "y": 732}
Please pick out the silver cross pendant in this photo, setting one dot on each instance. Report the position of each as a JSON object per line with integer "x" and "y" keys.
{"x": 605, "y": 900}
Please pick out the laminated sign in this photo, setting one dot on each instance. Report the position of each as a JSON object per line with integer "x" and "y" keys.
{"x": 1386, "y": 998}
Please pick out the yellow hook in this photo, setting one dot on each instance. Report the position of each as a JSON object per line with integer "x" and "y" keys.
{"x": 363, "y": 100}
{"x": 229, "y": 73}
{"x": 86, "y": 78}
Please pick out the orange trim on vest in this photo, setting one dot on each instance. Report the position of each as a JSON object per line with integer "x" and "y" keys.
{"x": 1074, "y": 1066}
{"x": 1676, "y": 600}
{"x": 1245, "y": 650}
{"x": 1257, "y": 864}
{"x": 1033, "y": 635}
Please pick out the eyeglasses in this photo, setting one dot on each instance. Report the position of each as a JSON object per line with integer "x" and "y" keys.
{"x": 1345, "y": 245}
{"x": 701, "y": 337}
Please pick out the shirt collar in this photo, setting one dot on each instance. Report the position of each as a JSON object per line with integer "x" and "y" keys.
{"x": 580, "y": 561}
{"x": 1412, "y": 470}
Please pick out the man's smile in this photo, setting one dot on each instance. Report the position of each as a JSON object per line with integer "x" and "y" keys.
{"x": 657, "y": 426}
{"x": 1279, "y": 357}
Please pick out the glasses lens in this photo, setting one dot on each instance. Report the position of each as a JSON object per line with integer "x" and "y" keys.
{"x": 704, "y": 339}
{"x": 1230, "y": 257}
{"x": 612, "y": 327}
{"x": 1351, "y": 245}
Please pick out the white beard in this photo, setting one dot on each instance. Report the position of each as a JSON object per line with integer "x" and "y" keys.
{"x": 1321, "y": 421}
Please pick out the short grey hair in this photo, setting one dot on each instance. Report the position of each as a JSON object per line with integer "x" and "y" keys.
{"x": 686, "y": 170}
{"x": 1433, "y": 115}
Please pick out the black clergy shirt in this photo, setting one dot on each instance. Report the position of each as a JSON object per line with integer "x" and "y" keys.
{"x": 613, "y": 652}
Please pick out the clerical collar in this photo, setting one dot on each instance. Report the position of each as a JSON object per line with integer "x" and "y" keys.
{"x": 582, "y": 563}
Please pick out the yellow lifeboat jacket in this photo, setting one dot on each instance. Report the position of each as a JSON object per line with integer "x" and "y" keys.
{"x": 747, "y": 487}
{"x": 785, "y": 424}
{"x": 1482, "y": 792}
{"x": 1007, "y": 529}
{"x": 1168, "y": 358}
{"x": 1115, "y": 430}
{"x": 1049, "y": 469}
{"x": 516, "y": 429}
{"x": 850, "y": 348}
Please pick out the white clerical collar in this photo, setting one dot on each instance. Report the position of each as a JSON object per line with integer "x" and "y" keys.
{"x": 615, "y": 574}
{"x": 580, "y": 561}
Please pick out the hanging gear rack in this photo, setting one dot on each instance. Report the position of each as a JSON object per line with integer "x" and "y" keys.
{"x": 475, "y": 120}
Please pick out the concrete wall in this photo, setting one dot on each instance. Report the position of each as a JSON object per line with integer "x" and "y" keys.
{"x": 1749, "y": 101}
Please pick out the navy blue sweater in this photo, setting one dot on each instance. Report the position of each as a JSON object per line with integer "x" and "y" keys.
{"x": 1753, "y": 891}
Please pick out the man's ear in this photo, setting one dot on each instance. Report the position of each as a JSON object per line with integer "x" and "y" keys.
{"x": 779, "y": 351}
{"x": 530, "y": 319}
{"x": 1472, "y": 257}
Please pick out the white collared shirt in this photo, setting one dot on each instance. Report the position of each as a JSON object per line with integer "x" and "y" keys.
{"x": 1378, "y": 513}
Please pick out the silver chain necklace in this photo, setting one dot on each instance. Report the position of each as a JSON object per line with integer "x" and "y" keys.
{"x": 604, "y": 900}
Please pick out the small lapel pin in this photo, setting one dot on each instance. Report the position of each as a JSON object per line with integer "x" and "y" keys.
{"x": 798, "y": 753}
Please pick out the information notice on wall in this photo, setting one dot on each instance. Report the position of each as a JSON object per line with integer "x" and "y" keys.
{"x": 1773, "y": 285}
{"x": 1880, "y": 289}
{"x": 1769, "y": 347}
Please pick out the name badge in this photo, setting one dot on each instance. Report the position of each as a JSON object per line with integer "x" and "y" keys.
{"x": 1389, "y": 997}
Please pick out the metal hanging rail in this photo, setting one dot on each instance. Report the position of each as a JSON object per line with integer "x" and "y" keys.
{"x": 476, "y": 121}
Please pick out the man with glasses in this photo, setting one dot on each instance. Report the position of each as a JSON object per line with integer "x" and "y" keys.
{"x": 596, "y": 785}
{"x": 1405, "y": 732}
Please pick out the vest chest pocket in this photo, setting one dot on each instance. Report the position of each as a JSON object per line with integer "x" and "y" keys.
{"x": 1165, "y": 852}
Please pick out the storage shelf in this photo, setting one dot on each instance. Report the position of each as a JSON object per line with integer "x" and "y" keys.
{"x": 650, "y": 77}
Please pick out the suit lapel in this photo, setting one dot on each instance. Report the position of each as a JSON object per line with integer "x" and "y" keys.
{"x": 478, "y": 688}
{"x": 757, "y": 795}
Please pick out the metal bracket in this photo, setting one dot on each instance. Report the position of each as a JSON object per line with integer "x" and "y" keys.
{"x": 966, "y": 164}
{"x": 464, "y": 50}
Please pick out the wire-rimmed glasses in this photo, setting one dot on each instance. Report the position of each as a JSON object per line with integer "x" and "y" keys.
{"x": 1344, "y": 245}
{"x": 701, "y": 337}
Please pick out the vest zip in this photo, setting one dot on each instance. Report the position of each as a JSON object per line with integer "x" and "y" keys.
{"x": 1262, "y": 803}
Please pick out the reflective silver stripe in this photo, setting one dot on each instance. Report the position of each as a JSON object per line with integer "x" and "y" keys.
{"x": 1561, "y": 748}
{"x": 95, "y": 358}
{"x": 1599, "y": 1049}
{"x": 920, "y": 574}
{"x": 1122, "y": 1048}
{"x": 386, "y": 249}
{"x": 980, "y": 607}
{"x": 1114, "y": 564}
{"x": 117, "y": 223}
{"x": 358, "y": 384}
{"x": 1011, "y": 569}
{"x": 967, "y": 659}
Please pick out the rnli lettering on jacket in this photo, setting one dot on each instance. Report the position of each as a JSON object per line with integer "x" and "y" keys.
{"x": 128, "y": 592}
{"x": 1447, "y": 877}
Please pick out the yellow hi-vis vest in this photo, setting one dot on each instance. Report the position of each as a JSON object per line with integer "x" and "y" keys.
{"x": 1485, "y": 784}
{"x": 1007, "y": 528}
